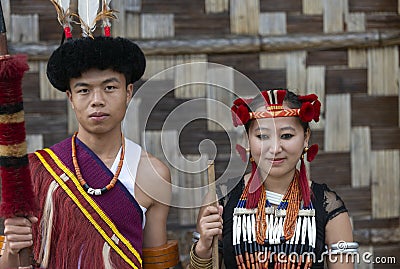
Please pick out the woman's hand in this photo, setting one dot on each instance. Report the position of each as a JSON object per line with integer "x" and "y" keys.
{"x": 209, "y": 224}
{"x": 18, "y": 233}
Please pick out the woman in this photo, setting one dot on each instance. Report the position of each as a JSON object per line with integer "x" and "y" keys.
{"x": 275, "y": 217}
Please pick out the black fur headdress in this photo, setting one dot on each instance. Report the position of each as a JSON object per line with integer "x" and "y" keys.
{"x": 76, "y": 56}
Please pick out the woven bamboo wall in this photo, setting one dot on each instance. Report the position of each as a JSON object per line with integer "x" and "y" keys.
{"x": 345, "y": 50}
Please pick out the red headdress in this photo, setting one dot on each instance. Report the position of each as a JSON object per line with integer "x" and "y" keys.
{"x": 309, "y": 110}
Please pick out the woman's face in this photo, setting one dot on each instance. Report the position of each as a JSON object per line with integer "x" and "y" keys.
{"x": 277, "y": 144}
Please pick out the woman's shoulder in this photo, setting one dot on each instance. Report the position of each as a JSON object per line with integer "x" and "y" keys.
{"x": 327, "y": 200}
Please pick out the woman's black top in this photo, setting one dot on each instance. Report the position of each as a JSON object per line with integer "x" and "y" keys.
{"x": 327, "y": 205}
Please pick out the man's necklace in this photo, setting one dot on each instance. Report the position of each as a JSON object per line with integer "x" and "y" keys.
{"x": 83, "y": 183}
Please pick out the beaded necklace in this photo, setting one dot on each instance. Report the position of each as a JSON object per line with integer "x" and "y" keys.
{"x": 83, "y": 183}
{"x": 260, "y": 234}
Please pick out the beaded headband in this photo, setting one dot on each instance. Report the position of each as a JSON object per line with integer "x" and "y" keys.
{"x": 310, "y": 108}
{"x": 88, "y": 17}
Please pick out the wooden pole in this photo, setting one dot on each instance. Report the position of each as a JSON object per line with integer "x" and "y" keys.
{"x": 239, "y": 44}
{"x": 214, "y": 202}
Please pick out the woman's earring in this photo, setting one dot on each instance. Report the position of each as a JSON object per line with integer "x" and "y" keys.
{"x": 247, "y": 149}
{"x": 304, "y": 152}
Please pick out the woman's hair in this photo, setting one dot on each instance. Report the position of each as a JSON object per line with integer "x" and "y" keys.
{"x": 291, "y": 100}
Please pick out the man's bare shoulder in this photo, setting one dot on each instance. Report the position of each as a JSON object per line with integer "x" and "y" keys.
{"x": 153, "y": 166}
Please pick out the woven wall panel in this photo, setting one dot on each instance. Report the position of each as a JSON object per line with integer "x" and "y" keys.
{"x": 372, "y": 5}
{"x": 173, "y": 6}
{"x": 272, "y": 60}
{"x": 189, "y": 74}
{"x": 333, "y": 16}
{"x": 45, "y": 107}
{"x": 385, "y": 109}
{"x": 277, "y": 5}
{"x": 316, "y": 84}
{"x": 385, "y": 183}
{"x": 355, "y": 22}
{"x": 156, "y": 64}
{"x": 243, "y": 62}
{"x": 133, "y": 5}
{"x": 307, "y": 24}
{"x": 72, "y": 121}
{"x": 133, "y": 27}
{"x": 346, "y": 81}
{"x": 327, "y": 57}
{"x": 157, "y": 25}
{"x": 24, "y": 28}
{"x": 313, "y": 7}
{"x": 385, "y": 138}
{"x": 360, "y": 156}
{"x": 332, "y": 169}
{"x": 47, "y": 91}
{"x": 45, "y": 123}
{"x": 384, "y": 22}
{"x": 267, "y": 79}
{"x": 216, "y": 6}
{"x": 244, "y": 16}
{"x": 223, "y": 93}
{"x": 383, "y": 71}
{"x": 338, "y": 123}
{"x": 34, "y": 142}
{"x": 357, "y": 58}
{"x": 201, "y": 24}
{"x": 359, "y": 205}
{"x": 317, "y": 137}
{"x": 272, "y": 23}
{"x": 296, "y": 74}
{"x": 31, "y": 86}
{"x": 50, "y": 29}
{"x": 118, "y": 29}
{"x": 392, "y": 250}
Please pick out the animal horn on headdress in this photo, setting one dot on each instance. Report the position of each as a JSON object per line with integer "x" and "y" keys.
{"x": 106, "y": 14}
{"x": 63, "y": 15}
{"x": 87, "y": 10}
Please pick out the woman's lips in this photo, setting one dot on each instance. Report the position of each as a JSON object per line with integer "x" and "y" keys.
{"x": 276, "y": 161}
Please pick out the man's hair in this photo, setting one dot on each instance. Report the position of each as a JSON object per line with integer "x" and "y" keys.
{"x": 76, "y": 56}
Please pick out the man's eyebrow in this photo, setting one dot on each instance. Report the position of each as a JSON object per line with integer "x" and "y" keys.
{"x": 81, "y": 84}
{"x": 108, "y": 80}
{"x": 112, "y": 79}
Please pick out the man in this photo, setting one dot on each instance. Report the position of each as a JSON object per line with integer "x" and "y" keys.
{"x": 95, "y": 209}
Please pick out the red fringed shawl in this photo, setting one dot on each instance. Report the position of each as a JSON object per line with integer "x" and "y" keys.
{"x": 75, "y": 242}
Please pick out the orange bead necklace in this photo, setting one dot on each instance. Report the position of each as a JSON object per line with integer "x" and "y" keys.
{"x": 83, "y": 183}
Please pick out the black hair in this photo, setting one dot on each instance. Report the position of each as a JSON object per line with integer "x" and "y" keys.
{"x": 76, "y": 56}
{"x": 291, "y": 99}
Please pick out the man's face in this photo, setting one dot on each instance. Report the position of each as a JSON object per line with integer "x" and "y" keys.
{"x": 99, "y": 99}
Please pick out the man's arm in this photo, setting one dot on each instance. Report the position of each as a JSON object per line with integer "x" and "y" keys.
{"x": 154, "y": 189}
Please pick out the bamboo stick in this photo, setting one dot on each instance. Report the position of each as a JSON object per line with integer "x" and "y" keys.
{"x": 212, "y": 194}
{"x": 238, "y": 44}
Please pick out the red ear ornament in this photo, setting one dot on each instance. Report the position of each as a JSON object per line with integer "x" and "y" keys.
{"x": 312, "y": 152}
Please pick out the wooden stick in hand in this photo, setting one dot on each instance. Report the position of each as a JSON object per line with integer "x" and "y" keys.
{"x": 214, "y": 202}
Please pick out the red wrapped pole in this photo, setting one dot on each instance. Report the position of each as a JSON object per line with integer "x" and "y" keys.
{"x": 16, "y": 183}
